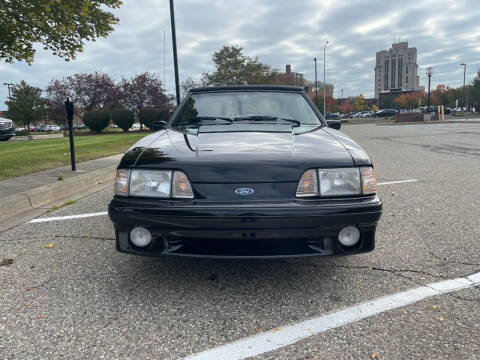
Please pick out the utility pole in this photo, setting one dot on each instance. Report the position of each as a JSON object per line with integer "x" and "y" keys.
{"x": 463, "y": 100}
{"x": 324, "y": 84}
{"x": 342, "y": 94}
{"x": 463, "y": 92}
{"x": 174, "y": 44}
{"x": 316, "y": 83}
{"x": 164, "y": 77}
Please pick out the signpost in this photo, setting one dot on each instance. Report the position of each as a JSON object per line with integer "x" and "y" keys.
{"x": 69, "y": 111}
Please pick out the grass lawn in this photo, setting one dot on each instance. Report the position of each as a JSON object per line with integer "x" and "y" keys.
{"x": 26, "y": 157}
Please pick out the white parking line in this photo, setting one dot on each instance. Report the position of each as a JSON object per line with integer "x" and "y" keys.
{"x": 68, "y": 217}
{"x": 281, "y": 337}
{"x": 397, "y": 182}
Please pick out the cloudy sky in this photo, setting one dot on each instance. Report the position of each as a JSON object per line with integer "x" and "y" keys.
{"x": 445, "y": 32}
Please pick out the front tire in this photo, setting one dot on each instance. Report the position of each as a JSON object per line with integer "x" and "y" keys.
{"x": 5, "y": 138}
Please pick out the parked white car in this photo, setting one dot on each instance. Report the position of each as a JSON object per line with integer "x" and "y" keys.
{"x": 49, "y": 128}
{"x": 7, "y": 129}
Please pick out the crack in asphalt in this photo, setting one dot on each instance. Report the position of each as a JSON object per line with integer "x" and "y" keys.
{"x": 85, "y": 237}
{"x": 375, "y": 268}
{"x": 452, "y": 149}
{"x": 397, "y": 272}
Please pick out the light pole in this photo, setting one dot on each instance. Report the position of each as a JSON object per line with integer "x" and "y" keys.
{"x": 463, "y": 92}
{"x": 324, "y": 85}
{"x": 316, "y": 83}
{"x": 8, "y": 85}
{"x": 174, "y": 43}
{"x": 429, "y": 72}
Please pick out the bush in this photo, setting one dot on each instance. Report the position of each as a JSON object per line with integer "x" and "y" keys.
{"x": 123, "y": 119}
{"x": 22, "y": 132}
{"x": 150, "y": 116}
{"x": 96, "y": 121}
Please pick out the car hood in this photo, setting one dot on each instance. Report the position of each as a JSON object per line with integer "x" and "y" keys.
{"x": 246, "y": 156}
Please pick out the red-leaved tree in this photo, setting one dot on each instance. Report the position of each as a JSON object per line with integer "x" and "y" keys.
{"x": 346, "y": 106}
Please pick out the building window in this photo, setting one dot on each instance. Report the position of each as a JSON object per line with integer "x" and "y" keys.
{"x": 392, "y": 84}
{"x": 385, "y": 77}
{"x": 400, "y": 68}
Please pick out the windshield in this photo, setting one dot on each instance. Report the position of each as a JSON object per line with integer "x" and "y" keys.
{"x": 254, "y": 106}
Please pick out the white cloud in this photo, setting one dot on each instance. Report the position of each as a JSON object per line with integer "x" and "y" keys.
{"x": 445, "y": 32}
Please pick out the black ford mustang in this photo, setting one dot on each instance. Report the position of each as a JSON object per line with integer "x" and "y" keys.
{"x": 246, "y": 171}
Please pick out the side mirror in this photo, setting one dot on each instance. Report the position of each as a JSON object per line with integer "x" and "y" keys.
{"x": 159, "y": 125}
{"x": 334, "y": 124}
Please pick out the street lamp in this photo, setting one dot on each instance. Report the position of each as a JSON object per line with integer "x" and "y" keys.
{"x": 429, "y": 72}
{"x": 316, "y": 83}
{"x": 8, "y": 85}
{"x": 174, "y": 44}
{"x": 463, "y": 93}
{"x": 324, "y": 86}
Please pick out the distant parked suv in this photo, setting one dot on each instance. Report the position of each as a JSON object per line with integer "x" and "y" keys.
{"x": 332, "y": 116}
{"x": 7, "y": 130}
{"x": 385, "y": 113}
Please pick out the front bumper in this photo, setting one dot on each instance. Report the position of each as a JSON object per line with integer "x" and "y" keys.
{"x": 7, "y": 133}
{"x": 240, "y": 230}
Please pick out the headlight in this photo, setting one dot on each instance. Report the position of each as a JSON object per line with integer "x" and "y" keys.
{"x": 153, "y": 183}
{"x": 337, "y": 182}
{"x": 150, "y": 183}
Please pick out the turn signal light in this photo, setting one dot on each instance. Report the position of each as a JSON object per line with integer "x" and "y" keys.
{"x": 308, "y": 185}
{"x": 369, "y": 180}
{"x": 121, "y": 182}
{"x": 181, "y": 186}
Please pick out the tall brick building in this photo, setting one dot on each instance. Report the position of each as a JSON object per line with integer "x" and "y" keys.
{"x": 396, "y": 69}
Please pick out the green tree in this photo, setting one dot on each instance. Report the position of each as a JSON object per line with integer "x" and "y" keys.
{"x": 60, "y": 26}
{"x": 234, "y": 68}
{"x": 442, "y": 95}
{"x": 406, "y": 101}
{"x": 476, "y": 81}
{"x": 474, "y": 93}
{"x": 318, "y": 102}
{"x": 27, "y": 106}
{"x": 360, "y": 103}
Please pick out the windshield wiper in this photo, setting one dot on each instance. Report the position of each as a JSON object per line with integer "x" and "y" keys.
{"x": 266, "y": 118}
{"x": 199, "y": 119}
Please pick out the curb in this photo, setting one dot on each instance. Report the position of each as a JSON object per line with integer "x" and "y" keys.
{"x": 14, "y": 205}
{"x": 36, "y": 137}
{"x": 431, "y": 122}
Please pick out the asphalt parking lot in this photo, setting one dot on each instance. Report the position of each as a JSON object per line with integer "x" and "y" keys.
{"x": 68, "y": 294}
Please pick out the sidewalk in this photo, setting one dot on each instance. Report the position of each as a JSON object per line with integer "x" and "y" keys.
{"x": 36, "y": 191}
{"x": 20, "y": 184}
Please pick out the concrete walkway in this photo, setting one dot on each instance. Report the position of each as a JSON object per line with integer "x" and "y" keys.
{"x": 25, "y": 197}
{"x": 20, "y": 184}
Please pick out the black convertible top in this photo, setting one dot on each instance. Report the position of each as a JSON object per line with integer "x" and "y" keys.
{"x": 247, "y": 88}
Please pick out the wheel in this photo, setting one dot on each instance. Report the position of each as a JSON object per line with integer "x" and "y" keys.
{"x": 5, "y": 138}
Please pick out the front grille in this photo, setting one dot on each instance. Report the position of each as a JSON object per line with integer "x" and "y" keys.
{"x": 5, "y": 125}
{"x": 246, "y": 248}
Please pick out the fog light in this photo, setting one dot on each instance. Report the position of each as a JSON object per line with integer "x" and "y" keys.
{"x": 141, "y": 237}
{"x": 349, "y": 236}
